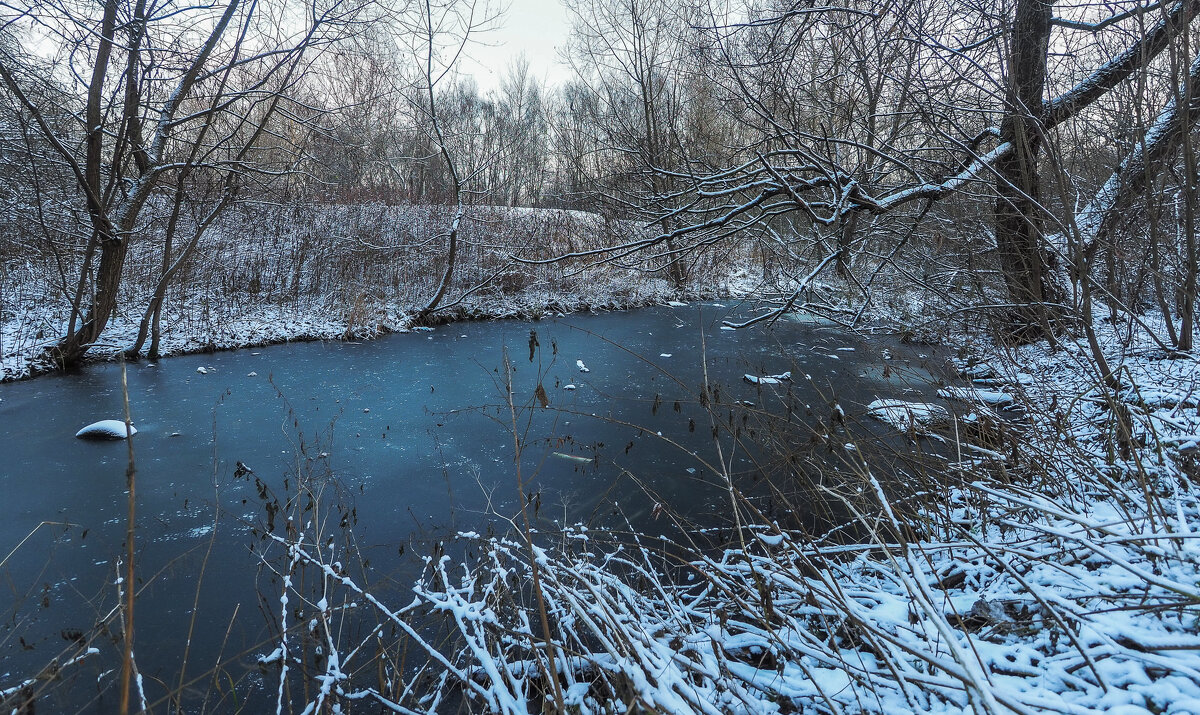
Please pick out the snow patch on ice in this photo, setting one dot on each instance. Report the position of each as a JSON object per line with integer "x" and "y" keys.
{"x": 994, "y": 398}
{"x": 105, "y": 429}
{"x": 768, "y": 379}
{"x": 918, "y": 417}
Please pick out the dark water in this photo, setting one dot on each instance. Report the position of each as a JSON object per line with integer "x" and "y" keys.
{"x": 416, "y": 431}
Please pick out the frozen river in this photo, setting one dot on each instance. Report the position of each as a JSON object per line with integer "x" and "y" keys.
{"x": 410, "y": 437}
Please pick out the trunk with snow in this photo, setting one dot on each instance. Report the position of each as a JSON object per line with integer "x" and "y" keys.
{"x": 1165, "y": 136}
{"x": 1023, "y": 260}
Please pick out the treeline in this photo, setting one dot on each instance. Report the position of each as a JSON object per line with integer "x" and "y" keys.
{"x": 1025, "y": 161}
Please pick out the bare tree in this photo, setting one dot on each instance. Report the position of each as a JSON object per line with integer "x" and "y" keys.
{"x": 432, "y": 75}
{"x": 935, "y": 101}
{"x": 1019, "y": 214}
{"x": 168, "y": 94}
{"x": 634, "y": 56}
{"x": 519, "y": 136}
{"x": 435, "y": 35}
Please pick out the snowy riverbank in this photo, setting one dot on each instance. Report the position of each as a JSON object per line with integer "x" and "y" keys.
{"x": 346, "y": 272}
{"x": 191, "y": 329}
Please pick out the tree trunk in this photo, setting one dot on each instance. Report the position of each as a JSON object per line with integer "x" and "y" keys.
{"x": 154, "y": 309}
{"x": 455, "y": 178}
{"x": 70, "y": 350}
{"x": 1156, "y": 276}
{"x": 448, "y": 273}
{"x": 1187, "y": 305}
{"x": 1023, "y": 260}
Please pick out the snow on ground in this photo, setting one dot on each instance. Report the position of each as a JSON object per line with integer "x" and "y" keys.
{"x": 1060, "y": 576}
{"x": 1159, "y": 389}
{"x": 1048, "y": 608}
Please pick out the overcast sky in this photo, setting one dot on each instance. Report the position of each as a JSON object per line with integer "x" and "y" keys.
{"x": 536, "y": 27}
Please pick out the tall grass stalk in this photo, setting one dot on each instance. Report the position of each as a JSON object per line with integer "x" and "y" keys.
{"x": 128, "y": 669}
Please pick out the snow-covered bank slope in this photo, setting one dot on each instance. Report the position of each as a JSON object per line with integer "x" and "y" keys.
{"x": 330, "y": 272}
{"x": 1159, "y": 388}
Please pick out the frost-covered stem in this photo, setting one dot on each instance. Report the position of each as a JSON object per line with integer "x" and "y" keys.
{"x": 551, "y": 661}
{"x": 1187, "y": 591}
{"x": 391, "y": 615}
{"x": 1051, "y": 608}
{"x": 510, "y": 701}
{"x": 333, "y": 672}
{"x": 295, "y": 552}
{"x": 979, "y": 689}
{"x": 725, "y": 468}
{"x": 15, "y": 689}
{"x": 127, "y": 667}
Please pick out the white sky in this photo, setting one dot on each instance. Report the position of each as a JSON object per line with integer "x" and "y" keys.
{"x": 536, "y": 27}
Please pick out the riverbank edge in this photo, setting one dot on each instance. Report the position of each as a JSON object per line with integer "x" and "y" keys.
{"x": 310, "y": 323}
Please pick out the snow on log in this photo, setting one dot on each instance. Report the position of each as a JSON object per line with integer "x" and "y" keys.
{"x": 767, "y": 379}
{"x": 105, "y": 429}
{"x": 573, "y": 458}
{"x": 978, "y": 371}
{"x": 916, "y": 417}
{"x": 994, "y": 398}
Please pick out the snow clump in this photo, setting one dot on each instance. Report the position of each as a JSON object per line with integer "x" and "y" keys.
{"x": 105, "y": 429}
